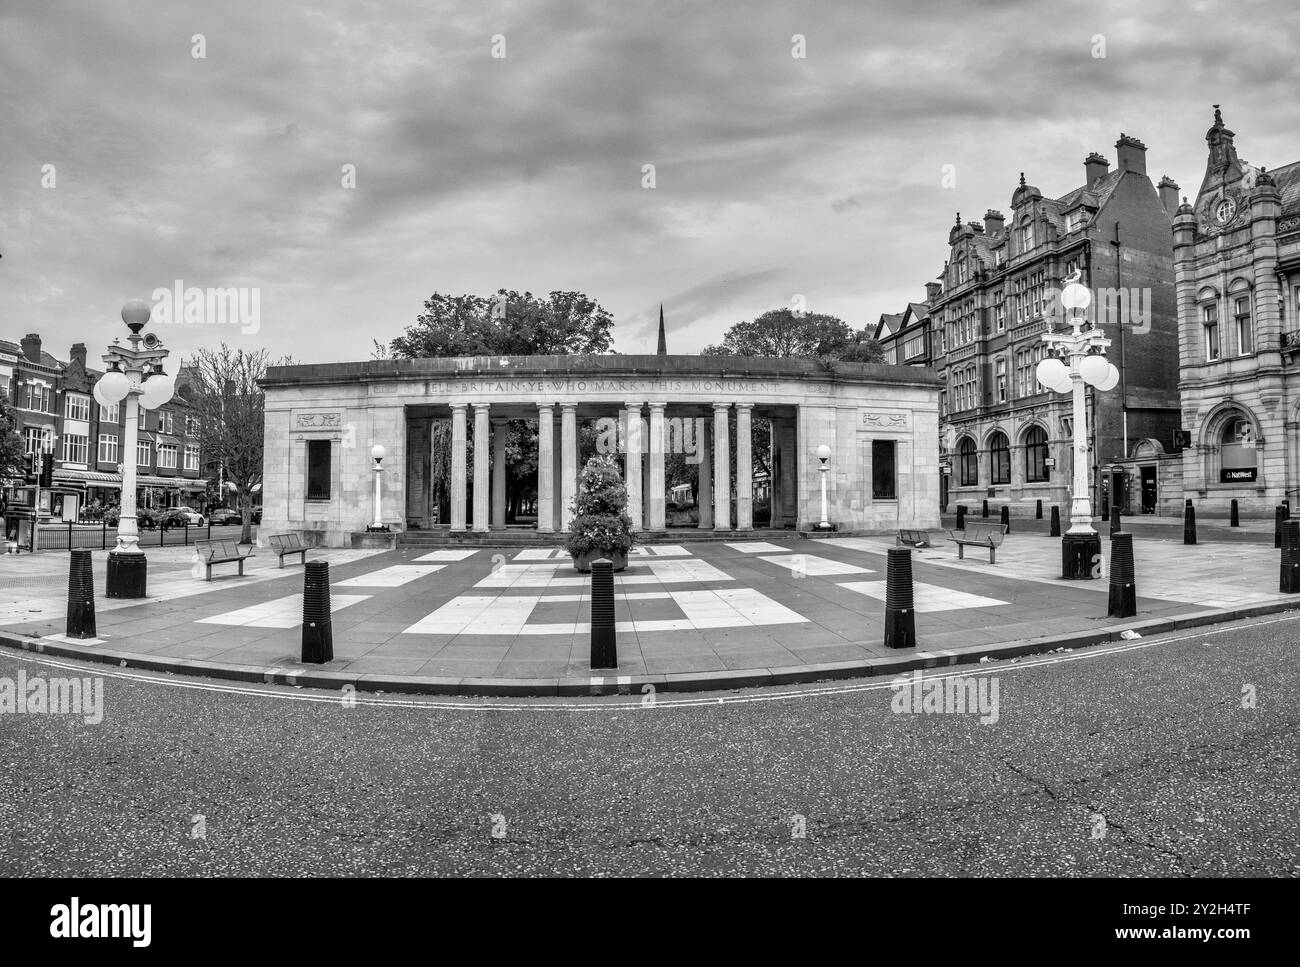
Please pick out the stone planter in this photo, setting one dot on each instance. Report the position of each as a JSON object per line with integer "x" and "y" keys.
{"x": 582, "y": 562}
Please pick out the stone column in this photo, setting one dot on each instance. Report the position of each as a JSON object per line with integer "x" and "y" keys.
{"x": 499, "y": 430}
{"x": 657, "y": 510}
{"x": 632, "y": 465}
{"x": 545, "y": 468}
{"x": 458, "y": 477}
{"x": 568, "y": 461}
{"x": 744, "y": 469}
{"x": 721, "y": 468}
{"x": 704, "y": 502}
{"x": 557, "y": 485}
{"x": 482, "y": 487}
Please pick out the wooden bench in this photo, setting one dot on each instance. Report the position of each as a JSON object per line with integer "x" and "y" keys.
{"x": 913, "y": 538}
{"x": 220, "y": 552}
{"x": 284, "y": 544}
{"x": 979, "y": 535}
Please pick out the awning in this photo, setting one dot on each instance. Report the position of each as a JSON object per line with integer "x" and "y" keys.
{"x": 92, "y": 478}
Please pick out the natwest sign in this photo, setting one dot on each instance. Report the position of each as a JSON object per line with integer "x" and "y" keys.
{"x": 1236, "y": 474}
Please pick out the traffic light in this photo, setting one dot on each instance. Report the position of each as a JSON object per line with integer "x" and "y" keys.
{"x": 29, "y": 467}
{"x": 47, "y": 470}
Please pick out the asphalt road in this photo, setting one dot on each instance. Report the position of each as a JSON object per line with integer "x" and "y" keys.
{"x": 1135, "y": 762}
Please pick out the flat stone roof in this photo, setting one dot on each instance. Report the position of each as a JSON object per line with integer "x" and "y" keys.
{"x": 796, "y": 368}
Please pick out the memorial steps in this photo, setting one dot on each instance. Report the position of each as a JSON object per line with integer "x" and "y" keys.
{"x": 529, "y": 537}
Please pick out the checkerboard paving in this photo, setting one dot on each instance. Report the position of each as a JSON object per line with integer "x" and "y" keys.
{"x": 450, "y": 554}
{"x": 809, "y": 565}
{"x": 508, "y": 615}
{"x": 283, "y": 612}
{"x": 927, "y": 597}
{"x": 390, "y": 577}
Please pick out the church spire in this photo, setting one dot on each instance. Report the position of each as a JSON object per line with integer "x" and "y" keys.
{"x": 663, "y": 342}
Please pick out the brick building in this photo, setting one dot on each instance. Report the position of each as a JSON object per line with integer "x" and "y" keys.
{"x": 1237, "y": 264}
{"x": 1003, "y": 435}
{"x": 56, "y": 414}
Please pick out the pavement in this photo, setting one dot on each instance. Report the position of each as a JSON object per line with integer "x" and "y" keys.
{"x": 689, "y": 616}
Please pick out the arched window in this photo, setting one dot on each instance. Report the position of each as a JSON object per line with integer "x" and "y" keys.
{"x": 999, "y": 459}
{"x": 968, "y": 461}
{"x": 1238, "y": 452}
{"x": 1035, "y": 455}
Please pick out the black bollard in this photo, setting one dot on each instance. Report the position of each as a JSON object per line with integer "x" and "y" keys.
{"x": 1279, "y": 515}
{"x": 1123, "y": 590}
{"x": 604, "y": 646}
{"x": 1006, "y": 520}
{"x": 1189, "y": 523}
{"x": 986, "y": 508}
{"x": 961, "y": 517}
{"x": 81, "y": 596}
{"x": 900, "y": 616}
{"x": 1056, "y": 522}
{"x": 1233, "y": 519}
{"x": 1289, "y": 582}
{"x": 1114, "y": 521}
{"x": 1038, "y": 509}
{"x": 317, "y": 625}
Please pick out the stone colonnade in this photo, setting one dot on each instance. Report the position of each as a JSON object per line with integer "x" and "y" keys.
{"x": 557, "y": 467}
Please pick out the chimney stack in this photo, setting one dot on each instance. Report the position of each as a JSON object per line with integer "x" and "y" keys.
{"x": 932, "y": 290}
{"x": 1131, "y": 154}
{"x": 31, "y": 344}
{"x": 78, "y": 353}
{"x": 993, "y": 222}
{"x": 1095, "y": 166}
{"x": 1168, "y": 189}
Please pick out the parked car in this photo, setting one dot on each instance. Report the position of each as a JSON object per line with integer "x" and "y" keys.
{"x": 179, "y": 517}
{"x": 193, "y": 516}
{"x": 225, "y": 515}
{"x": 144, "y": 519}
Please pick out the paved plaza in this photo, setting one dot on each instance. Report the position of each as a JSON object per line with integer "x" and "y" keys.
{"x": 684, "y": 612}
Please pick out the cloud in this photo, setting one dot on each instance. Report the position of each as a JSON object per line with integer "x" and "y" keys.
{"x": 775, "y": 175}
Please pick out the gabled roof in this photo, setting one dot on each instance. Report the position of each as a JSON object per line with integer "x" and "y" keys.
{"x": 889, "y": 324}
{"x": 1287, "y": 179}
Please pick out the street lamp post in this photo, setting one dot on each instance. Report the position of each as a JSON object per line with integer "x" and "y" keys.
{"x": 378, "y": 453}
{"x": 135, "y": 375}
{"x": 824, "y": 455}
{"x": 1085, "y": 349}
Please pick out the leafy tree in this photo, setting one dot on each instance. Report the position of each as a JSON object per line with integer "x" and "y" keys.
{"x": 782, "y": 332}
{"x": 505, "y": 324}
{"x": 12, "y": 464}
{"x": 222, "y": 386}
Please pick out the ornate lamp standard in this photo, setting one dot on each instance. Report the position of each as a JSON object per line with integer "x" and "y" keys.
{"x": 1085, "y": 349}
{"x": 377, "y": 453}
{"x": 824, "y": 455}
{"x": 135, "y": 374}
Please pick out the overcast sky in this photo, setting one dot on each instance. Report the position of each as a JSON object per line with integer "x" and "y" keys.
{"x": 774, "y": 175}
